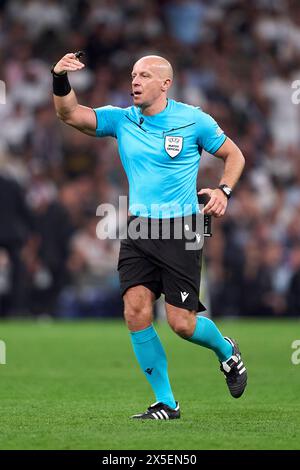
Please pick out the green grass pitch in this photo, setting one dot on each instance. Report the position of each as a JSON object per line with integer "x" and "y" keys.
{"x": 74, "y": 386}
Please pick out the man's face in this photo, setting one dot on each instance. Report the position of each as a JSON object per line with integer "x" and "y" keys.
{"x": 146, "y": 83}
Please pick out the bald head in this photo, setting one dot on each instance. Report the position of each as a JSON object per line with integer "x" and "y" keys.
{"x": 157, "y": 64}
{"x": 151, "y": 79}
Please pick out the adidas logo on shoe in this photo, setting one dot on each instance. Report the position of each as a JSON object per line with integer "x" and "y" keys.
{"x": 235, "y": 371}
{"x": 159, "y": 411}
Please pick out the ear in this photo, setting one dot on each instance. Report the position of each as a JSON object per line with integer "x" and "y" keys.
{"x": 166, "y": 84}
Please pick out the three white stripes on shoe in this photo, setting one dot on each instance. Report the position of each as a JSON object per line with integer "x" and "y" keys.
{"x": 239, "y": 367}
{"x": 236, "y": 358}
{"x": 160, "y": 415}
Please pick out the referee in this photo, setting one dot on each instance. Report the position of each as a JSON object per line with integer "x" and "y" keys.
{"x": 160, "y": 143}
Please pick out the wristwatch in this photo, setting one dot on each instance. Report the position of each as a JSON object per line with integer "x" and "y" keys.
{"x": 226, "y": 190}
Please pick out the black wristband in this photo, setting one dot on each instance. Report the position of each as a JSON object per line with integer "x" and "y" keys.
{"x": 61, "y": 85}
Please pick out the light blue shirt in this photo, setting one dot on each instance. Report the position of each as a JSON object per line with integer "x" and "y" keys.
{"x": 161, "y": 154}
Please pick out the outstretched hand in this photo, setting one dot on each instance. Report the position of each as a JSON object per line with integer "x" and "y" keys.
{"x": 68, "y": 63}
{"x": 217, "y": 203}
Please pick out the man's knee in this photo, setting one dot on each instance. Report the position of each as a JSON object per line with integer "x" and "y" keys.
{"x": 181, "y": 327}
{"x": 138, "y": 307}
{"x": 181, "y": 321}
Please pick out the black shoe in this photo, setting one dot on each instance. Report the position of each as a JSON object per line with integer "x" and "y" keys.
{"x": 159, "y": 411}
{"x": 235, "y": 371}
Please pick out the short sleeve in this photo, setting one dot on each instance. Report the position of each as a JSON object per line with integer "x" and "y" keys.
{"x": 209, "y": 134}
{"x": 108, "y": 118}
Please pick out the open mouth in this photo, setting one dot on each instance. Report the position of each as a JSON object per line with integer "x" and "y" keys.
{"x": 137, "y": 93}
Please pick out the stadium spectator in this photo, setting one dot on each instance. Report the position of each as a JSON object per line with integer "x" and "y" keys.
{"x": 15, "y": 228}
{"x": 94, "y": 288}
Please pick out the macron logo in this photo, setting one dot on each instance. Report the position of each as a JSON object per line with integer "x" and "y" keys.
{"x": 184, "y": 296}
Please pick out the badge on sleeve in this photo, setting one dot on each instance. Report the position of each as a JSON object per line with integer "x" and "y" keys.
{"x": 173, "y": 145}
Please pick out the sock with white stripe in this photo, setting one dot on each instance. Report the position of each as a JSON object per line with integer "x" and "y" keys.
{"x": 208, "y": 335}
{"x": 153, "y": 361}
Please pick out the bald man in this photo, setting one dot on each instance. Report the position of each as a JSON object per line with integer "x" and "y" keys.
{"x": 160, "y": 143}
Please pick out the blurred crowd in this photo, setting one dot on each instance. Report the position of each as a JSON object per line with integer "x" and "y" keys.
{"x": 234, "y": 58}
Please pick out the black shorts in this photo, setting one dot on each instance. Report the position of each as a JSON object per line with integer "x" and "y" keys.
{"x": 163, "y": 265}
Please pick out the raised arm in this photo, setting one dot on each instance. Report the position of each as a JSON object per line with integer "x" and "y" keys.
{"x": 66, "y": 105}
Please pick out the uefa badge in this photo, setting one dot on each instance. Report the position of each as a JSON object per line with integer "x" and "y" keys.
{"x": 173, "y": 145}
